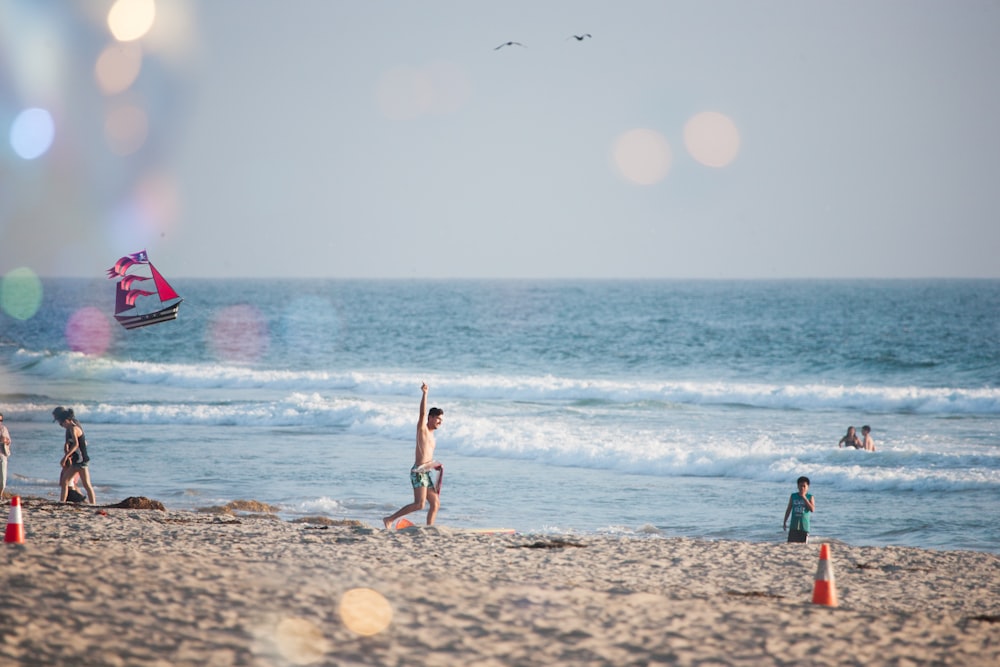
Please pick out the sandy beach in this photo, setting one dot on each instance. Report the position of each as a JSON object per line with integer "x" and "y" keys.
{"x": 112, "y": 586}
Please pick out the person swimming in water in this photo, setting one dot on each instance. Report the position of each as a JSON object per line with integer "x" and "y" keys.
{"x": 868, "y": 443}
{"x": 851, "y": 439}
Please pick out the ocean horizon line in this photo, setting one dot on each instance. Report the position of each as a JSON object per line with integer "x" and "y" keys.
{"x": 554, "y": 279}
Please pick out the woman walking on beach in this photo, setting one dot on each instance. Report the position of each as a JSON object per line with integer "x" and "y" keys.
{"x": 4, "y": 453}
{"x": 75, "y": 459}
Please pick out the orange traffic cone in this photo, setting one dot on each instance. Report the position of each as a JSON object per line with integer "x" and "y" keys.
{"x": 15, "y": 529}
{"x": 825, "y": 591}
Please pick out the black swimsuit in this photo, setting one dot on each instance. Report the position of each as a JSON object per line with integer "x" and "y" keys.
{"x": 80, "y": 457}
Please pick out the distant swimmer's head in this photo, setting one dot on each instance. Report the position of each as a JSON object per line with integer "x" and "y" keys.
{"x": 802, "y": 482}
{"x": 62, "y": 414}
{"x": 435, "y": 417}
{"x": 866, "y": 429}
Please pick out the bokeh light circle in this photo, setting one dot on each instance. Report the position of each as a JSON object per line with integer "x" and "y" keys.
{"x": 299, "y": 641}
{"x": 126, "y": 129}
{"x": 404, "y": 93}
{"x": 21, "y": 293}
{"x": 450, "y": 85}
{"x": 642, "y": 156}
{"x": 131, "y": 19}
{"x": 238, "y": 333}
{"x": 31, "y": 133}
{"x": 88, "y": 330}
{"x": 365, "y": 612}
{"x": 407, "y": 92}
{"x": 118, "y": 67}
{"x": 712, "y": 138}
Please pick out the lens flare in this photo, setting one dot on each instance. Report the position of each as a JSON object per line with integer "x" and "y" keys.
{"x": 712, "y": 139}
{"x": 407, "y": 92}
{"x": 148, "y": 214}
{"x": 403, "y": 93}
{"x": 88, "y": 330}
{"x": 20, "y": 293}
{"x": 365, "y": 612}
{"x": 299, "y": 641}
{"x": 238, "y": 333}
{"x": 118, "y": 67}
{"x": 174, "y": 38}
{"x": 642, "y": 156}
{"x": 31, "y": 133}
{"x": 126, "y": 129}
{"x": 129, "y": 20}
{"x": 157, "y": 194}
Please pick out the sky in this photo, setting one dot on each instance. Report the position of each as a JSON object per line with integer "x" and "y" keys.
{"x": 720, "y": 139}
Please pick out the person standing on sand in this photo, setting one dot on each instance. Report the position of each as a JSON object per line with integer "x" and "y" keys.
{"x": 423, "y": 462}
{"x": 75, "y": 459}
{"x": 850, "y": 440}
{"x": 4, "y": 453}
{"x": 867, "y": 440}
{"x": 800, "y": 505}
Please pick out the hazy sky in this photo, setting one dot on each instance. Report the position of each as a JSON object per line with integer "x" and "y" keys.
{"x": 329, "y": 138}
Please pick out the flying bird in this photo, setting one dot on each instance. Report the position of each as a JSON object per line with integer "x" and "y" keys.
{"x": 509, "y": 44}
{"x": 579, "y": 38}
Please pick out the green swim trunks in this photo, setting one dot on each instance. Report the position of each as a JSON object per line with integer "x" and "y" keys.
{"x": 419, "y": 479}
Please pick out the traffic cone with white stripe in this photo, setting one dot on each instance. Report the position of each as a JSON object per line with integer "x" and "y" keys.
{"x": 824, "y": 590}
{"x": 15, "y": 529}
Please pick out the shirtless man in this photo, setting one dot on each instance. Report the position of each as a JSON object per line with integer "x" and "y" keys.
{"x": 866, "y": 438}
{"x": 420, "y": 476}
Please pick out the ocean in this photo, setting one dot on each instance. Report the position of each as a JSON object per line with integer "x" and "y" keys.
{"x": 637, "y": 408}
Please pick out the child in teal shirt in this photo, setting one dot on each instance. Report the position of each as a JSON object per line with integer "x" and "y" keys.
{"x": 800, "y": 506}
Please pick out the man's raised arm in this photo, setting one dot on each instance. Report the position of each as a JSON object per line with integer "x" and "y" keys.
{"x": 423, "y": 406}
